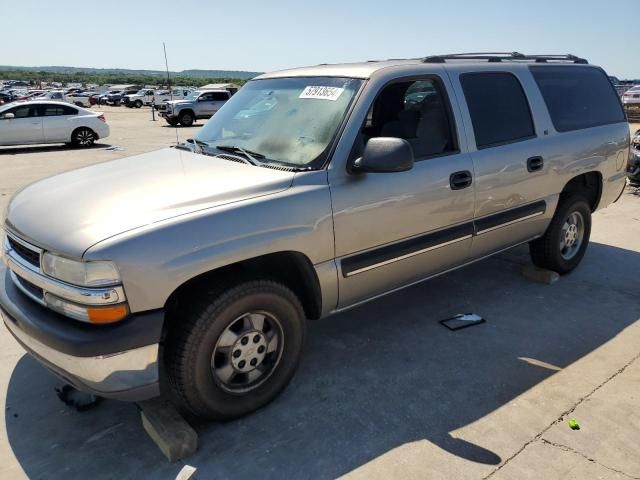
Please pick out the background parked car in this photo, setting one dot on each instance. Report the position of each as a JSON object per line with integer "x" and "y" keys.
{"x": 79, "y": 100}
{"x": 148, "y": 96}
{"x": 200, "y": 104}
{"x": 50, "y": 122}
{"x": 631, "y": 102}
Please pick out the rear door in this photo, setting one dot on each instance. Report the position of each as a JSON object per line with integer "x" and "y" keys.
{"x": 513, "y": 203}
{"x": 25, "y": 127}
{"x": 218, "y": 99}
{"x": 58, "y": 122}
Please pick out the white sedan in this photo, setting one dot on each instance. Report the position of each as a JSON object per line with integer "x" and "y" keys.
{"x": 50, "y": 122}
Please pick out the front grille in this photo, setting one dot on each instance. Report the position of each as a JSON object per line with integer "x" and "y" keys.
{"x": 25, "y": 253}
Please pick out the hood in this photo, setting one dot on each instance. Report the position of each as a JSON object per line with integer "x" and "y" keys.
{"x": 70, "y": 212}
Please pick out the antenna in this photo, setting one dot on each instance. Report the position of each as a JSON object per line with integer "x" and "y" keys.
{"x": 166, "y": 66}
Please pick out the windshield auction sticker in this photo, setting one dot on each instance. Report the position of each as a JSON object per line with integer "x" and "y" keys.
{"x": 322, "y": 93}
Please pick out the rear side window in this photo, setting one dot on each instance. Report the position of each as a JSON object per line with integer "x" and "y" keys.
{"x": 498, "y": 107}
{"x": 56, "y": 110}
{"x": 577, "y": 97}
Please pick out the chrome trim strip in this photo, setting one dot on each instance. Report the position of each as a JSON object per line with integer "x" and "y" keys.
{"x": 83, "y": 296}
{"x": 105, "y": 373}
{"x": 24, "y": 243}
{"x": 517, "y": 220}
{"x": 408, "y": 255}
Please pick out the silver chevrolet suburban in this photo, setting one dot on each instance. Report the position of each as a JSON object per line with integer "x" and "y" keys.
{"x": 192, "y": 270}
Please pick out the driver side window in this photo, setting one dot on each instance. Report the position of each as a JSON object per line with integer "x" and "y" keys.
{"x": 416, "y": 111}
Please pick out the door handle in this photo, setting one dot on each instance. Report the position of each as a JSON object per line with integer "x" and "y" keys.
{"x": 535, "y": 164}
{"x": 460, "y": 180}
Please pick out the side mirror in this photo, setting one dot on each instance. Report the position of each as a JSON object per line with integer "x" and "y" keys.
{"x": 385, "y": 155}
{"x": 8, "y": 115}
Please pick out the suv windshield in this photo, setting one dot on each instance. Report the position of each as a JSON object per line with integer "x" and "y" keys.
{"x": 287, "y": 120}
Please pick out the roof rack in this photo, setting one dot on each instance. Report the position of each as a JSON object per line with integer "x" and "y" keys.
{"x": 502, "y": 56}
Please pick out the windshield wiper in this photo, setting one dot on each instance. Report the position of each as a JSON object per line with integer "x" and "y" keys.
{"x": 251, "y": 156}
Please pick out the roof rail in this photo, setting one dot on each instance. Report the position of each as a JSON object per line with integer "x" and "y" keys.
{"x": 501, "y": 56}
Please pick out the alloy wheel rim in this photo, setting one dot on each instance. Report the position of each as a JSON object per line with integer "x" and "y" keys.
{"x": 84, "y": 137}
{"x": 247, "y": 352}
{"x": 571, "y": 235}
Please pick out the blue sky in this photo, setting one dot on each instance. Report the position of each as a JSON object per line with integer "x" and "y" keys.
{"x": 268, "y": 35}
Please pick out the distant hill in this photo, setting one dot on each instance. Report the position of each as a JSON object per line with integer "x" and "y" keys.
{"x": 194, "y": 73}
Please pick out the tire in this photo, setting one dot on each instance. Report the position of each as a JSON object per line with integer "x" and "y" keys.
{"x": 205, "y": 350}
{"x": 562, "y": 246}
{"x": 186, "y": 119}
{"x": 79, "y": 104}
{"x": 172, "y": 121}
{"x": 83, "y": 137}
{"x": 137, "y": 104}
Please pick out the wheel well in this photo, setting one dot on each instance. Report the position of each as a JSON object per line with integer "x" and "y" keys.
{"x": 75, "y": 130}
{"x": 588, "y": 184}
{"x": 292, "y": 269}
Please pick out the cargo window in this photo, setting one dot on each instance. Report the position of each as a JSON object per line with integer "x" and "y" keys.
{"x": 498, "y": 107}
{"x": 577, "y": 97}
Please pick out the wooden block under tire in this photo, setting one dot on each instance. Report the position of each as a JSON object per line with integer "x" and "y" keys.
{"x": 166, "y": 427}
{"x": 540, "y": 275}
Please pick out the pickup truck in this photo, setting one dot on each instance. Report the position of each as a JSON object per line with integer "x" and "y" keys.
{"x": 79, "y": 100}
{"x": 311, "y": 191}
{"x": 200, "y": 104}
{"x": 148, "y": 96}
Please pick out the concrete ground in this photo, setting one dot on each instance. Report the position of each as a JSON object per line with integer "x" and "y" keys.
{"x": 384, "y": 391}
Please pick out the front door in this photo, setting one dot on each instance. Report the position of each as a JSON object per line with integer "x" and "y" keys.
{"x": 392, "y": 229}
{"x": 25, "y": 127}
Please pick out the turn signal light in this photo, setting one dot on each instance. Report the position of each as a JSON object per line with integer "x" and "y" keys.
{"x": 107, "y": 314}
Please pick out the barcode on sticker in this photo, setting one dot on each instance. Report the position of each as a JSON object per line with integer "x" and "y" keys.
{"x": 322, "y": 93}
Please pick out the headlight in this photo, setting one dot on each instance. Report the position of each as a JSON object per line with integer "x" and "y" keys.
{"x": 86, "y": 274}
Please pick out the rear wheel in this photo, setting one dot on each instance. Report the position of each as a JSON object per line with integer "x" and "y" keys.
{"x": 236, "y": 351}
{"x": 565, "y": 242}
{"x": 186, "y": 119}
{"x": 83, "y": 137}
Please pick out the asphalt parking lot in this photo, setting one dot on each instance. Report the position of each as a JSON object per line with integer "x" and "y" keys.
{"x": 384, "y": 391}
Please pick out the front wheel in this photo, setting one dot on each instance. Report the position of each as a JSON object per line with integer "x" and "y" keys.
{"x": 171, "y": 121}
{"x": 186, "y": 119}
{"x": 565, "y": 242}
{"x": 236, "y": 351}
{"x": 137, "y": 104}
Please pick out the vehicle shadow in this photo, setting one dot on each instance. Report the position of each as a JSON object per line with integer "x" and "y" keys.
{"x": 48, "y": 148}
{"x": 372, "y": 379}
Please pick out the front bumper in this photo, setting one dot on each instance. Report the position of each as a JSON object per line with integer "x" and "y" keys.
{"x": 117, "y": 361}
